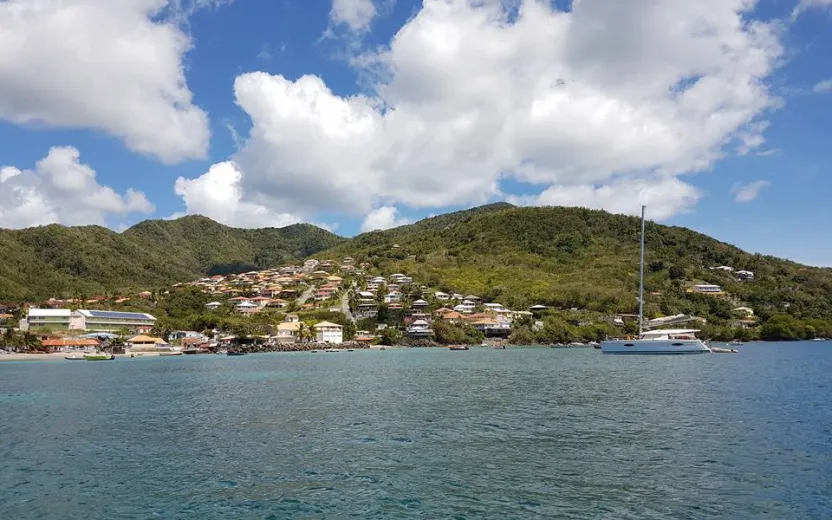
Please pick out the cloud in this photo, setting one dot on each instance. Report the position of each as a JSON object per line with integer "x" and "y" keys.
{"x": 805, "y": 5}
{"x": 385, "y": 217}
{"x": 822, "y": 87}
{"x": 663, "y": 197}
{"x": 115, "y": 66}
{"x": 469, "y": 94}
{"x": 61, "y": 189}
{"x": 216, "y": 195}
{"x": 748, "y": 192}
{"x": 356, "y": 15}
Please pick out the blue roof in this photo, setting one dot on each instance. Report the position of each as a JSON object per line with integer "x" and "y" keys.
{"x": 120, "y": 315}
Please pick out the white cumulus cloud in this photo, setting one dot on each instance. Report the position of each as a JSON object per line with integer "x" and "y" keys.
{"x": 115, "y": 66}
{"x": 217, "y": 195}
{"x": 468, "y": 94}
{"x": 61, "y": 189}
{"x": 663, "y": 197}
{"x": 750, "y": 191}
{"x": 385, "y": 217}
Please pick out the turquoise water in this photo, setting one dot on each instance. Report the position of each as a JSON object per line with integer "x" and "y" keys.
{"x": 517, "y": 433}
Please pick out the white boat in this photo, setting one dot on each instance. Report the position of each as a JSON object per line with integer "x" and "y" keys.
{"x": 659, "y": 341}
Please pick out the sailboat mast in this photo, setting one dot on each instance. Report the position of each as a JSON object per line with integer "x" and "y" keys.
{"x": 641, "y": 278}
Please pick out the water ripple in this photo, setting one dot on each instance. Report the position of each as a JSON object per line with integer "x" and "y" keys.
{"x": 524, "y": 433}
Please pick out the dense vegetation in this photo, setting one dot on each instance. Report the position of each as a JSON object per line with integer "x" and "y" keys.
{"x": 586, "y": 259}
{"x": 58, "y": 261}
{"x": 565, "y": 258}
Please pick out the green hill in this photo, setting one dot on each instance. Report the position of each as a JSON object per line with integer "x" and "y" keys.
{"x": 63, "y": 261}
{"x": 587, "y": 259}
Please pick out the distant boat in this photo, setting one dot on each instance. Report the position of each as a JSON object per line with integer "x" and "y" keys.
{"x": 171, "y": 353}
{"x": 458, "y": 347}
{"x": 99, "y": 356}
{"x": 332, "y": 350}
{"x": 499, "y": 347}
{"x": 75, "y": 357}
{"x": 235, "y": 353}
{"x": 735, "y": 343}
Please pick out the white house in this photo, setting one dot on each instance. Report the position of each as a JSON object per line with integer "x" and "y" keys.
{"x": 212, "y": 306}
{"x": 705, "y": 288}
{"x": 392, "y": 297}
{"x": 419, "y": 328}
{"x": 745, "y": 275}
{"x": 327, "y": 332}
{"x": 439, "y": 295}
{"x": 419, "y": 304}
{"x": 248, "y": 308}
{"x": 493, "y": 306}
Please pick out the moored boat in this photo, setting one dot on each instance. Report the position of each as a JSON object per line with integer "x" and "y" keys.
{"x": 171, "y": 353}
{"x": 332, "y": 350}
{"x": 667, "y": 341}
{"x": 458, "y": 347}
{"x": 235, "y": 353}
{"x": 99, "y": 356}
{"x": 75, "y": 357}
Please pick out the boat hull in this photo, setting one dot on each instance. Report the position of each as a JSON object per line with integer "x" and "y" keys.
{"x": 652, "y": 346}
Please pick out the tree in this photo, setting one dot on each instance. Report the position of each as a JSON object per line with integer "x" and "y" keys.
{"x": 390, "y": 336}
{"x": 676, "y": 272}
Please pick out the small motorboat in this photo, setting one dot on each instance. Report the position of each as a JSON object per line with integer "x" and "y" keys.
{"x": 332, "y": 350}
{"x": 720, "y": 350}
{"x": 499, "y": 347}
{"x": 735, "y": 343}
{"x": 235, "y": 353}
{"x": 75, "y": 357}
{"x": 171, "y": 353}
{"x": 458, "y": 347}
{"x": 99, "y": 356}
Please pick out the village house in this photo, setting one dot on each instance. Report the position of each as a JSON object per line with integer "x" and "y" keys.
{"x": 419, "y": 329}
{"x": 439, "y": 295}
{"x": 419, "y": 304}
{"x": 327, "y": 332}
{"x": 745, "y": 276}
{"x": 145, "y": 343}
{"x": 70, "y": 344}
{"x": 393, "y": 297}
{"x": 287, "y": 332}
{"x": 247, "y": 308}
{"x": 707, "y": 289}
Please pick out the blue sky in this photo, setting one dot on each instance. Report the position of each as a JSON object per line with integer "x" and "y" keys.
{"x": 363, "y": 114}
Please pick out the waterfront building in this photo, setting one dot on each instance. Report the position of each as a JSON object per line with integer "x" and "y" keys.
{"x": 39, "y": 319}
{"x": 327, "y": 332}
{"x": 111, "y": 321}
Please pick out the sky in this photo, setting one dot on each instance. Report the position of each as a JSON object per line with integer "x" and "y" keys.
{"x": 357, "y": 115}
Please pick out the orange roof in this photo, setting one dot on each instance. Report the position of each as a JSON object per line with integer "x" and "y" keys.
{"x": 70, "y": 342}
{"x": 453, "y": 315}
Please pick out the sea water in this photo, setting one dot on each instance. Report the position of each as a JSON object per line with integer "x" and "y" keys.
{"x": 421, "y": 433}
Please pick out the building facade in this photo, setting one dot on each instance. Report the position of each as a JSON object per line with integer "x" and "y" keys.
{"x": 326, "y": 332}
{"x": 40, "y": 319}
{"x": 111, "y": 321}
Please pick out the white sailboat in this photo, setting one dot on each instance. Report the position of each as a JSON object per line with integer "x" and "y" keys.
{"x": 660, "y": 341}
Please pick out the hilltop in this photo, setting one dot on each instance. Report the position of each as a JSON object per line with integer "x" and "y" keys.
{"x": 587, "y": 259}
{"x": 54, "y": 260}
{"x": 518, "y": 256}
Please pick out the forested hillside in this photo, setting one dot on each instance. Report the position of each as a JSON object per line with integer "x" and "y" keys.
{"x": 63, "y": 261}
{"x": 587, "y": 259}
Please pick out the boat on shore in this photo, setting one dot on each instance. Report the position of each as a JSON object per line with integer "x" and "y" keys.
{"x": 659, "y": 341}
{"x": 458, "y": 347}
